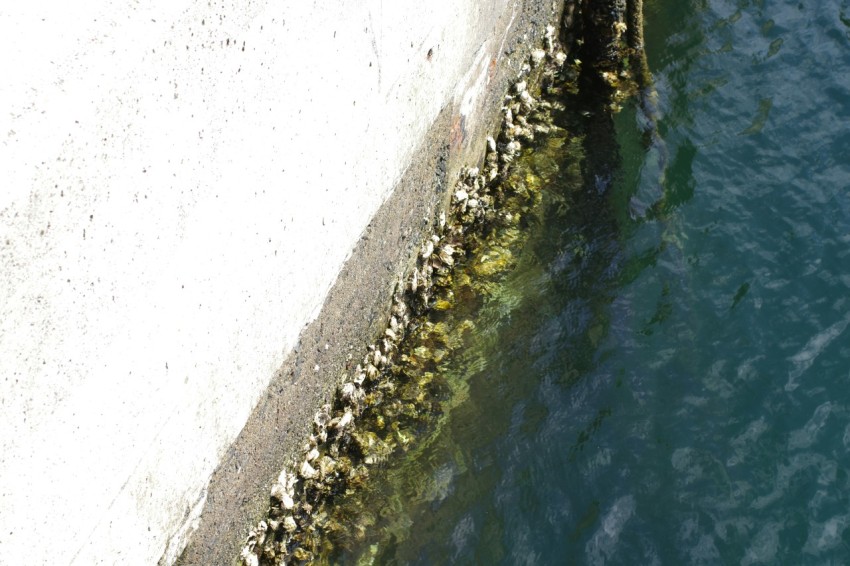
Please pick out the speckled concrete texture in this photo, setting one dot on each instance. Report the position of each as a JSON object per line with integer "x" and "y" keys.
{"x": 186, "y": 184}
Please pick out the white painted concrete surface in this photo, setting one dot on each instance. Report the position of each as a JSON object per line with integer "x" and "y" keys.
{"x": 181, "y": 183}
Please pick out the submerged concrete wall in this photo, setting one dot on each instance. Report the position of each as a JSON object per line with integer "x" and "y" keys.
{"x": 183, "y": 184}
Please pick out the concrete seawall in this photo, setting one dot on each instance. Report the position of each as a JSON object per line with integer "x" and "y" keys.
{"x": 204, "y": 211}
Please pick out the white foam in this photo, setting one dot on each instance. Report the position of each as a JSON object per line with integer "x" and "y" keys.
{"x": 804, "y": 359}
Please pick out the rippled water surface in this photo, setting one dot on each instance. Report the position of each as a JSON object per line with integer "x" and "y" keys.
{"x": 665, "y": 377}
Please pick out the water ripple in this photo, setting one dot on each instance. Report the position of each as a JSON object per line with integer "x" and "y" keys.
{"x": 804, "y": 359}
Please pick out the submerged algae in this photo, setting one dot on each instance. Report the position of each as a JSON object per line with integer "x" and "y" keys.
{"x": 403, "y": 393}
{"x": 451, "y": 346}
{"x": 488, "y": 286}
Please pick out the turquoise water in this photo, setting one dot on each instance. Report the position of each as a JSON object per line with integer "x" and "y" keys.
{"x": 665, "y": 377}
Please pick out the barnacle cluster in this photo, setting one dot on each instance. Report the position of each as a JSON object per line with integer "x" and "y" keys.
{"x": 621, "y": 62}
{"x": 394, "y": 392}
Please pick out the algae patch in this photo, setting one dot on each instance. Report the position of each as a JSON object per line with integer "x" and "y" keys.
{"x": 396, "y": 396}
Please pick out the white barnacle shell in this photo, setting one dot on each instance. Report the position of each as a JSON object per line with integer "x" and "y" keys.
{"x": 426, "y": 276}
{"x": 345, "y": 420}
{"x": 549, "y": 37}
{"x": 400, "y": 307}
{"x": 289, "y": 523}
{"x": 348, "y": 390}
{"x": 287, "y": 480}
{"x": 461, "y": 195}
{"x": 537, "y": 56}
{"x": 427, "y": 249}
{"x": 249, "y": 558}
{"x": 561, "y": 57}
{"x": 287, "y": 502}
{"x": 312, "y": 455}
{"x": 371, "y": 371}
{"x": 521, "y": 87}
{"x": 525, "y": 133}
{"x": 491, "y": 143}
{"x": 390, "y": 333}
{"x": 260, "y": 533}
{"x": 442, "y": 220}
{"x": 472, "y": 172}
{"x": 376, "y": 358}
{"x": 292, "y": 479}
{"x": 307, "y": 471}
{"x": 446, "y": 253}
{"x": 279, "y": 491}
{"x": 322, "y": 416}
{"x": 414, "y": 281}
{"x": 399, "y": 310}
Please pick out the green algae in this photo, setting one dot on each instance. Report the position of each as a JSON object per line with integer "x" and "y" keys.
{"x": 351, "y": 497}
{"x": 436, "y": 358}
